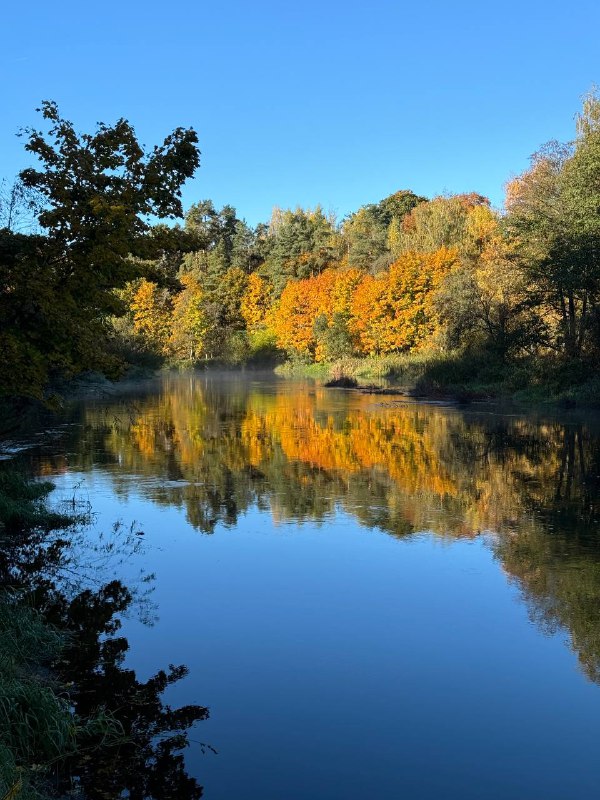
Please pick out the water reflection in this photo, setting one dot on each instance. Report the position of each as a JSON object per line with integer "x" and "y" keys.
{"x": 218, "y": 448}
{"x": 124, "y": 740}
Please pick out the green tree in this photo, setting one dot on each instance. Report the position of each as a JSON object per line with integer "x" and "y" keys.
{"x": 97, "y": 192}
{"x": 334, "y": 337}
{"x": 366, "y": 231}
{"x": 221, "y": 239}
{"x": 303, "y": 244}
{"x": 442, "y": 222}
{"x": 553, "y": 214}
{"x": 244, "y": 254}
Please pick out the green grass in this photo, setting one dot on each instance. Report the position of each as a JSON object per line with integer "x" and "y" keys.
{"x": 37, "y": 726}
{"x": 400, "y": 369}
{"x": 299, "y": 369}
{"x": 465, "y": 377}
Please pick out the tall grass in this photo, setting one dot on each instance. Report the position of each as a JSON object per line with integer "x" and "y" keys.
{"x": 37, "y": 726}
{"x": 465, "y": 376}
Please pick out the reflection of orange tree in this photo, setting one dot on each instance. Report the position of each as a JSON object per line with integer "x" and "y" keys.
{"x": 402, "y": 469}
{"x": 289, "y": 422}
{"x": 423, "y": 466}
{"x": 404, "y": 443}
{"x": 418, "y": 452}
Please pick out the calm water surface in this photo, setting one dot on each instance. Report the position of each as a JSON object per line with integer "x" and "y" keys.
{"x": 375, "y": 598}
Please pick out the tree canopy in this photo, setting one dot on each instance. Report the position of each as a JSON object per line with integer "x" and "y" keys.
{"x": 107, "y": 277}
{"x": 97, "y": 193}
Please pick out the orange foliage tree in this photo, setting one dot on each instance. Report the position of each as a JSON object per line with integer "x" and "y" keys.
{"x": 394, "y": 310}
{"x": 369, "y": 314}
{"x": 300, "y": 304}
{"x": 303, "y": 302}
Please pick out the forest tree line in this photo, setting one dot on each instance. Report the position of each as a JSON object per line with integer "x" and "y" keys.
{"x": 103, "y": 281}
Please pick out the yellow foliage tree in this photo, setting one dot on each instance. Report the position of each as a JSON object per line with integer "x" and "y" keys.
{"x": 345, "y": 284}
{"x": 481, "y": 227}
{"x": 256, "y": 301}
{"x": 504, "y": 294}
{"x": 151, "y": 309}
{"x": 189, "y": 320}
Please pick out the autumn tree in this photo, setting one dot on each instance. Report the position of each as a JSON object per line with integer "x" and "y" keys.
{"x": 506, "y": 305}
{"x": 188, "y": 322}
{"x": 370, "y": 314}
{"x": 301, "y": 302}
{"x": 255, "y": 301}
{"x": 292, "y": 319}
{"x": 394, "y": 311}
{"x": 442, "y": 222}
{"x": 490, "y": 306}
{"x": 331, "y": 327}
{"x": 151, "y": 308}
{"x": 333, "y": 313}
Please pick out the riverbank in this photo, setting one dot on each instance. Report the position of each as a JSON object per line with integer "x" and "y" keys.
{"x": 72, "y": 717}
{"x": 530, "y": 383}
{"x": 38, "y": 728}
{"x": 463, "y": 378}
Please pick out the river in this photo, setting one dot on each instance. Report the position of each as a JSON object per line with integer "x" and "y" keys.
{"x": 375, "y": 598}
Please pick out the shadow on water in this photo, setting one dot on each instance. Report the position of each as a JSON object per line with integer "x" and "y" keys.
{"x": 124, "y": 739}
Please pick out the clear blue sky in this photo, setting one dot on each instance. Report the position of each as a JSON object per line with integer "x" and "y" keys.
{"x": 338, "y": 103}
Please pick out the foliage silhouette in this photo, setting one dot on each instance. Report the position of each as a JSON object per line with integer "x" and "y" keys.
{"x": 123, "y": 737}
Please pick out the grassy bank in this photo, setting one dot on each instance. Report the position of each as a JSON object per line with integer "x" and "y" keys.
{"x": 74, "y": 721}
{"x": 465, "y": 377}
{"x": 37, "y": 726}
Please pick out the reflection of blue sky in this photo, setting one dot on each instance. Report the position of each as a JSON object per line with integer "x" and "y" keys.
{"x": 339, "y": 662}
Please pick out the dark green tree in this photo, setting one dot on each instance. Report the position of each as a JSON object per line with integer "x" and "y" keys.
{"x": 366, "y": 231}
{"x": 554, "y": 214}
{"x": 302, "y": 243}
{"x": 221, "y": 241}
{"x": 97, "y": 193}
{"x": 334, "y": 336}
